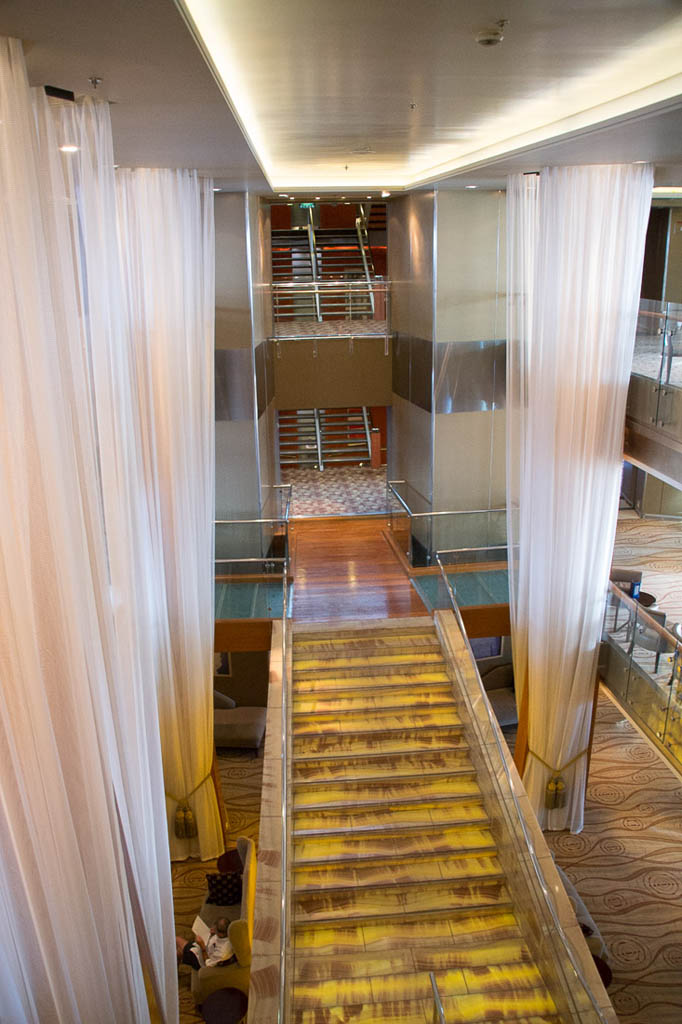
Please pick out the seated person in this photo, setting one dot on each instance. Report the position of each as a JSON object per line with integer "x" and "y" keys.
{"x": 198, "y": 954}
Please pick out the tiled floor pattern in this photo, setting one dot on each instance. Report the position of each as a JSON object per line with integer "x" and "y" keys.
{"x": 395, "y": 867}
{"x": 626, "y": 865}
{"x": 337, "y": 491}
{"x": 309, "y": 327}
{"x": 241, "y": 780}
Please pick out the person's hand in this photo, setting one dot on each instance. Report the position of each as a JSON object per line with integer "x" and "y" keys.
{"x": 213, "y": 930}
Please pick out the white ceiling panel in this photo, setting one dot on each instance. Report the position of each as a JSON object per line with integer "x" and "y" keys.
{"x": 390, "y": 93}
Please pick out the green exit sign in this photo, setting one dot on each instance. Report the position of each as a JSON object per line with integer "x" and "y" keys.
{"x": 307, "y": 206}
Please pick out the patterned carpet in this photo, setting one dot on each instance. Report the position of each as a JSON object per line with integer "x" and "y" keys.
{"x": 655, "y": 547}
{"x": 626, "y": 865}
{"x": 241, "y": 777}
{"x": 309, "y": 327}
{"x": 338, "y": 491}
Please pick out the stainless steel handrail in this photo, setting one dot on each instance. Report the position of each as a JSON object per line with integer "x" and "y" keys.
{"x": 270, "y": 561}
{"x": 438, "y": 1011}
{"x": 234, "y": 522}
{"x": 318, "y": 439}
{"x": 524, "y": 828}
{"x": 446, "y": 512}
{"x": 332, "y": 284}
{"x": 642, "y": 615}
{"x": 284, "y": 902}
{"x": 289, "y": 488}
{"x": 359, "y": 222}
{"x": 312, "y": 245}
{"x": 483, "y": 547}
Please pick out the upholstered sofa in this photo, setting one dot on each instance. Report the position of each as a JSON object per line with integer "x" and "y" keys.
{"x": 235, "y": 974}
{"x": 237, "y": 726}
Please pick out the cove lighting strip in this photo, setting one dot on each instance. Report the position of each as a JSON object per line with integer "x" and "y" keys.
{"x": 646, "y": 76}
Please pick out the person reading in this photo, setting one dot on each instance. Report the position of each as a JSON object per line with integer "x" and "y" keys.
{"x": 207, "y": 951}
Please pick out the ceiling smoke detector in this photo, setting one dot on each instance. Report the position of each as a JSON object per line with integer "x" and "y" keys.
{"x": 491, "y": 36}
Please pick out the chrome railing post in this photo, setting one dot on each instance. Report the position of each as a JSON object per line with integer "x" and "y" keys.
{"x": 312, "y": 245}
{"x": 284, "y": 903}
{"x": 359, "y": 223}
{"x": 438, "y": 1011}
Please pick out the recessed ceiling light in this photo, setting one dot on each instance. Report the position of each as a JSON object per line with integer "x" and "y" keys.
{"x": 471, "y": 186}
{"x": 283, "y": 195}
{"x": 317, "y": 197}
{"x": 369, "y": 197}
{"x": 216, "y": 190}
{"x": 68, "y": 148}
{"x": 385, "y": 194}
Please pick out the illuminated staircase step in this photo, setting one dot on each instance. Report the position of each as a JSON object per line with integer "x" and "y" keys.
{"x": 380, "y": 720}
{"x": 323, "y": 645}
{"x": 320, "y": 638}
{"x": 377, "y": 1013}
{"x": 371, "y": 699}
{"x": 353, "y": 678}
{"x": 386, "y": 741}
{"x": 520, "y": 977}
{"x": 508, "y": 953}
{"x": 385, "y": 988}
{"x": 427, "y": 868}
{"x": 498, "y": 1006}
{"x": 391, "y": 766}
{"x": 438, "y": 931}
{"x": 389, "y": 817}
{"x": 413, "y": 788}
{"x": 389, "y": 844}
{"x": 344, "y": 661}
{"x": 396, "y": 901}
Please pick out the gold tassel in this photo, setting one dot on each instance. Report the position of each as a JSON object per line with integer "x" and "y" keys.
{"x": 180, "y": 822}
{"x": 190, "y": 824}
{"x": 550, "y": 795}
{"x": 555, "y": 793}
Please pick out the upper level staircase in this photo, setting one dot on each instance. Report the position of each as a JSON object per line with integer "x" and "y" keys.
{"x": 395, "y": 867}
{"x": 316, "y": 437}
{"x": 306, "y": 255}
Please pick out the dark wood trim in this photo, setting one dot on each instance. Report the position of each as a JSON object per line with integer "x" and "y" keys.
{"x": 242, "y": 635}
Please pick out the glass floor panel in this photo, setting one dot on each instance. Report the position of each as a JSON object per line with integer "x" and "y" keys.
{"x": 250, "y": 599}
{"x": 471, "y": 588}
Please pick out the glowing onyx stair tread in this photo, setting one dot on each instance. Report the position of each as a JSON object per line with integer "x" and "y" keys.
{"x": 395, "y": 868}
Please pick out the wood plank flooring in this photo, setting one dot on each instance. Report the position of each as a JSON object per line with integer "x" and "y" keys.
{"x": 346, "y": 569}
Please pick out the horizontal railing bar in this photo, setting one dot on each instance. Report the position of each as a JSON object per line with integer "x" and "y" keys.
{"x": 643, "y": 616}
{"x": 232, "y": 522}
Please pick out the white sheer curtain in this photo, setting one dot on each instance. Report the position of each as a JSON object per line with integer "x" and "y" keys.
{"x": 575, "y": 249}
{"x": 167, "y": 241}
{"x": 84, "y": 878}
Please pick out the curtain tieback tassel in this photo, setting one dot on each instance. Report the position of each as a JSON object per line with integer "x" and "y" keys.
{"x": 555, "y": 790}
{"x": 185, "y": 826}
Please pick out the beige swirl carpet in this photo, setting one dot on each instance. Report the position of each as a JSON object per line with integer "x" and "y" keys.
{"x": 241, "y": 776}
{"x": 627, "y": 866}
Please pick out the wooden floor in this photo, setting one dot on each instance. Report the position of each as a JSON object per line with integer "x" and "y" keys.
{"x": 345, "y": 569}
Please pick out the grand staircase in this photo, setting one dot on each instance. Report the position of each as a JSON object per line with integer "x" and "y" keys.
{"x": 395, "y": 869}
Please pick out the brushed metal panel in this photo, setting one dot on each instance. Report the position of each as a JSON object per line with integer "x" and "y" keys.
{"x": 470, "y": 376}
{"x": 642, "y": 403}
{"x": 261, "y": 381}
{"x": 233, "y": 384}
{"x": 421, "y": 370}
{"x": 400, "y": 369}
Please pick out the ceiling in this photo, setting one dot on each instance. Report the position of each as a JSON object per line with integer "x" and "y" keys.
{"x": 348, "y": 96}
